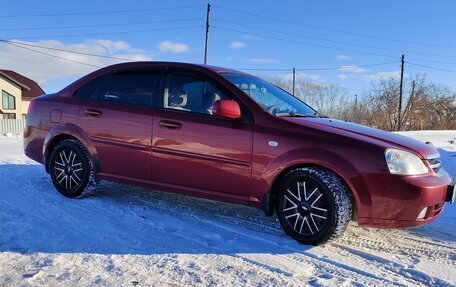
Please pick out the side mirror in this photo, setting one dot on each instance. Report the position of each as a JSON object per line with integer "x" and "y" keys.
{"x": 227, "y": 108}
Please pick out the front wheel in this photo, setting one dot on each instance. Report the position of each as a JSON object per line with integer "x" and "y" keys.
{"x": 71, "y": 169}
{"x": 313, "y": 205}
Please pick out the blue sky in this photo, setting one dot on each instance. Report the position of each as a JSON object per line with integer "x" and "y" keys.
{"x": 311, "y": 35}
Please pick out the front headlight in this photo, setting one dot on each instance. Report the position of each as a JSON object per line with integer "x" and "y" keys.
{"x": 404, "y": 163}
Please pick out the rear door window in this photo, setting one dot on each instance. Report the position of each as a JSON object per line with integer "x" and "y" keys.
{"x": 133, "y": 88}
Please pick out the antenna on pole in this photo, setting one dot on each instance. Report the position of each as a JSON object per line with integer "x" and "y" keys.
{"x": 208, "y": 13}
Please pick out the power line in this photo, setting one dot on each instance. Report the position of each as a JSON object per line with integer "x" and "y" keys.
{"x": 347, "y": 67}
{"x": 334, "y": 30}
{"x": 100, "y": 25}
{"x": 113, "y": 33}
{"x": 100, "y": 12}
{"x": 252, "y": 69}
{"x": 433, "y": 61}
{"x": 55, "y": 56}
{"x": 62, "y": 50}
{"x": 18, "y": 44}
{"x": 333, "y": 41}
{"x": 326, "y": 47}
{"x": 304, "y": 43}
{"x": 263, "y": 69}
{"x": 315, "y": 69}
{"x": 433, "y": 68}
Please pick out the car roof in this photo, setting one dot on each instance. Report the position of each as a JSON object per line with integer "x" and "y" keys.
{"x": 215, "y": 69}
{"x": 138, "y": 64}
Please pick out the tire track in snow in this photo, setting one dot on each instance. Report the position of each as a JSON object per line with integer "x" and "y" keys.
{"x": 332, "y": 268}
{"x": 395, "y": 269}
{"x": 400, "y": 247}
{"x": 347, "y": 273}
{"x": 244, "y": 222}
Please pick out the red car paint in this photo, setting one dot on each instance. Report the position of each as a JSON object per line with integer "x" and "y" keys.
{"x": 225, "y": 159}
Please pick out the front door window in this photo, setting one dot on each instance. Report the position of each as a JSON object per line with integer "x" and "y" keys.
{"x": 190, "y": 94}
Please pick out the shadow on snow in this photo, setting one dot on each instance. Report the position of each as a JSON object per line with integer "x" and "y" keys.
{"x": 121, "y": 219}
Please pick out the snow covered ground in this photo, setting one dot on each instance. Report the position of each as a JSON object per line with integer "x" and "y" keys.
{"x": 125, "y": 234}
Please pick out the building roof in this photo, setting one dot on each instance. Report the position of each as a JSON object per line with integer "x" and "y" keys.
{"x": 30, "y": 88}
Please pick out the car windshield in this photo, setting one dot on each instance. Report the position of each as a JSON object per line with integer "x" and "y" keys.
{"x": 273, "y": 99}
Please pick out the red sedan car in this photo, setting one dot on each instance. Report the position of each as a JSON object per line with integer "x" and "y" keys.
{"x": 225, "y": 135}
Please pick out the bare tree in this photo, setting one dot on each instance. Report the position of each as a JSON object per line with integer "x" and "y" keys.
{"x": 327, "y": 99}
{"x": 433, "y": 104}
{"x": 423, "y": 102}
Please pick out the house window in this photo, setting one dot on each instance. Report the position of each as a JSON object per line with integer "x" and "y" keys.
{"x": 8, "y": 101}
{"x": 9, "y": 116}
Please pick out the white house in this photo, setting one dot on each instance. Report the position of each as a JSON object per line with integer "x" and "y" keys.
{"x": 16, "y": 93}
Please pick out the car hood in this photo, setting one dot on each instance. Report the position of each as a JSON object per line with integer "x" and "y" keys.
{"x": 367, "y": 134}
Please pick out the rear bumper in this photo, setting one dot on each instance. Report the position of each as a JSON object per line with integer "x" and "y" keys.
{"x": 33, "y": 143}
{"x": 402, "y": 202}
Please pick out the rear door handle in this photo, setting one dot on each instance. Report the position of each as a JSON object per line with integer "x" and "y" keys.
{"x": 93, "y": 113}
{"x": 170, "y": 125}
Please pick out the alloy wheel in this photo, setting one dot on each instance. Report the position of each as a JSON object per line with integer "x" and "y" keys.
{"x": 68, "y": 169}
{"x": 304, "y": 208}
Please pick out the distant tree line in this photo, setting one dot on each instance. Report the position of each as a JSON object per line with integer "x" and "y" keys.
{"x": 425, "y": 104}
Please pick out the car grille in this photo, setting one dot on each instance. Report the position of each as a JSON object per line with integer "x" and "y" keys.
{"x": 435, "y": 164}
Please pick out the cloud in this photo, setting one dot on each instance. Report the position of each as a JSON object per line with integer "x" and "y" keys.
{"x": 342, "y": 76}
{"x": 299, "y": 76}
{"x": 173, "y": 47}
{"x": 346, "y": 76}
{"x": 43, "y": 68}
{"x": 342, "y": 57}
{"x": 383, "y": 75}
{"x": 353, "y": 68}
{"x": 262, "y": 61}
{"x": 237, "y": 45}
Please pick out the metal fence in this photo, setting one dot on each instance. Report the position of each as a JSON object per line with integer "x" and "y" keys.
{"x": 10, "y": 126}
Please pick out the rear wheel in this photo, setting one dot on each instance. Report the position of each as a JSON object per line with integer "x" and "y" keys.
{"x": 71, "y": 169}
{"x": 313, "y": 205}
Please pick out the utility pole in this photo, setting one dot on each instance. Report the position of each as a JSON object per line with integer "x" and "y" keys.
{"x": 208, "y": 13}
{"x": 412, "y": 99}
{"x": 421, "y": 121}
{"x": 356, "y": 108}
{"x": 294, "y": 80}
{"x": 400, "y": 95}
{"x": 409, "y": 107}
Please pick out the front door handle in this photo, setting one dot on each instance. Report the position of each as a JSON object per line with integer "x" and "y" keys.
{"x": 170, "y": 125}
{"x": 93, "y": 113}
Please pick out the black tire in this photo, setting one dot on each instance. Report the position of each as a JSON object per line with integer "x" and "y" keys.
{"x": 313, "y": 205}
{"x": 71, "y": 169}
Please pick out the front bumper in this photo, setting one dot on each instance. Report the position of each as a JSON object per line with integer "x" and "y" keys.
{"x": 409, "y": 201}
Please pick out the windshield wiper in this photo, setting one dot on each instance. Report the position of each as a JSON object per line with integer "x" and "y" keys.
{"x": 298, "y": 115}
